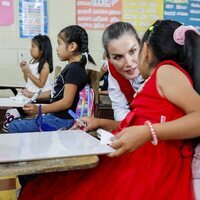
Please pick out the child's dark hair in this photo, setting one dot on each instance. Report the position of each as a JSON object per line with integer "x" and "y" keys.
{"x": 116, "y": 30}
{"x": 44, "y": 45}
{"x": 160, "y": 38}
{"x": 77, "y": 34}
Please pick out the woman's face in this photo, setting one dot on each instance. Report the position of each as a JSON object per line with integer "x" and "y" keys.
{"x": 123, "y": 54}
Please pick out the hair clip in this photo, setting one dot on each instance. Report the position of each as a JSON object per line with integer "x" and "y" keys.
{"x": 151, "y": 28}
{"x": 179, "y": 33}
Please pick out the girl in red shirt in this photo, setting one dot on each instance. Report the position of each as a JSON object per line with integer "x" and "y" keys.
{"x": 165, "y": 112}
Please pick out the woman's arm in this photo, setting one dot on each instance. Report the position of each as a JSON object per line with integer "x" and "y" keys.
{"x": 95, "y": 123}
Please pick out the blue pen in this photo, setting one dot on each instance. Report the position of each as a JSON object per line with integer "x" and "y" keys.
{"x": 76, "y": 118}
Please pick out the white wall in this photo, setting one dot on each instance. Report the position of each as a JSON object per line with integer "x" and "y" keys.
{"x": 61, "y": 13}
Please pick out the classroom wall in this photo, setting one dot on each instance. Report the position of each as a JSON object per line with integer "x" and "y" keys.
{"x": 61, "y": 13}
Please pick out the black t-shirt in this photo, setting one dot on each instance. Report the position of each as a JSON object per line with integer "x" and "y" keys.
{"x": 73, "y": 73}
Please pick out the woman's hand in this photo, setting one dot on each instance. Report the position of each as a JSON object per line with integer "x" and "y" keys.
{"x": 30, "y": 109}
{"x": 129, "y": 139}
{"x": 91, "y": 124}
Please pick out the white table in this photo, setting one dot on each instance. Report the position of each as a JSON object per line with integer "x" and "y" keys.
{"x": 9, "y": 103}
{"x": 27, "y": 147}
{"x": 33, "y": 153}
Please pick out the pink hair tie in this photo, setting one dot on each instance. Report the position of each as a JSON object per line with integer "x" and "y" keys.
{"x": 179, "y": 33}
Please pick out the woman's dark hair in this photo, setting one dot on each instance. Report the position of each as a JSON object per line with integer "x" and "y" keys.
{"x": 160, "y": 39}
{"x": 77, "y": 34}
{"x": 44, "y": 45}
{"x": 116, "y": 30}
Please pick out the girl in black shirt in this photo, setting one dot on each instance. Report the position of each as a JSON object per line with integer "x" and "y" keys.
{"x": 72, "y": 47}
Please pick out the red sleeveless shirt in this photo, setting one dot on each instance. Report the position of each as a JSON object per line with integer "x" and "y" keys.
{"x": 161, "y": 172}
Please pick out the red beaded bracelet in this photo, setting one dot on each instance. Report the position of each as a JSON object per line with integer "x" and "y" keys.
{"x": 153, "y": 132}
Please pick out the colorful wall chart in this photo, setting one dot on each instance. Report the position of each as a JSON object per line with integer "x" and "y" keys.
{"x": 187, "y": 13}
{"x": 141, "y": 14}
{"x": 32, "y": 17}
{"x": 6, "y": 12}
{"x": 97, "y": 14}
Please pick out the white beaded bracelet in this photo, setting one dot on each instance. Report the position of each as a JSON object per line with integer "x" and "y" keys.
{"x": 153, "y": 132}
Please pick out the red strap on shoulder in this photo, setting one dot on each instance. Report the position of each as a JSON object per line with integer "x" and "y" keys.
{"x": 124, "y": 84}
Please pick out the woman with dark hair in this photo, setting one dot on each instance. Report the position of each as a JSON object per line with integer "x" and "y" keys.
{"x": 121, "y": 44}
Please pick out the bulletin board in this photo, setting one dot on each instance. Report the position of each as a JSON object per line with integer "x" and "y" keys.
{"x": 6, "y": 12}
{"x": 141, "y": 14}
{"x": 185, "y": 11}
{"x": 97, "y": 14}
{"x": 32, "y": 18}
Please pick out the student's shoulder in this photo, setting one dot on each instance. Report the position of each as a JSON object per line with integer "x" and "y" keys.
{"x": 75, "y": 65}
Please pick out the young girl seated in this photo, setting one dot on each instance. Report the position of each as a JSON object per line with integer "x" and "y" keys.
{"x": 72, "y": 47}
{"x": 153, "y": 138}
{"x": 36, "y": 73}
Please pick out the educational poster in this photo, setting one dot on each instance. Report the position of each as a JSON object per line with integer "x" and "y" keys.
{"x": 6, "y": 12}
{"x": 97, "y": 14}
{"x": 177, "y": 1}
{"x": 187, "y": 13}
{"x": 32, "y": 17}
{"x": 141, "y": 14}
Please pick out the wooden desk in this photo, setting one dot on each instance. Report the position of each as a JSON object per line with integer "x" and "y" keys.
{"x": 42, "y": 166}
{"x": 50, "y": 165}
{"x": 30, "y": 153}
{"x": 11, "y": 87}
{"x": 45, "y": 152}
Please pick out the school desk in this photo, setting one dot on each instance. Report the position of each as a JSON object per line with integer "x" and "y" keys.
{"x": 11, "y": 87}
{"x": 41, "y": 152}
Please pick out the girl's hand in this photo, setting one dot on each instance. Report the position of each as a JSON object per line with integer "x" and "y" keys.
{"x": 27, "y": 93}
{"x": 129, "y": 139}
{"x": 22, "y": 63}
{"x": 30, "y": 109}
{"x": 24, "y": 67}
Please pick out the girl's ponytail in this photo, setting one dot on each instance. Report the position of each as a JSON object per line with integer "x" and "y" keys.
{"x": 191, "y": 51}
{"x": 171, "y": 40}
{"x": 84, "y": 50}
{"x": 188, "y": 38}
